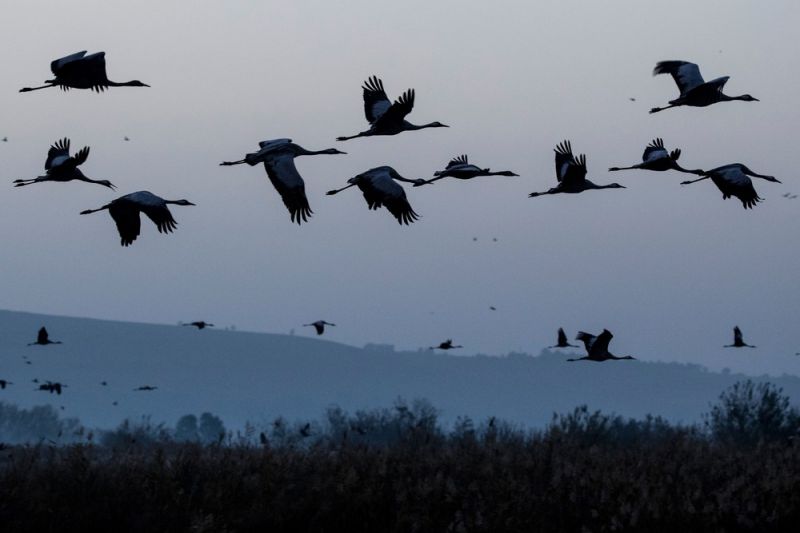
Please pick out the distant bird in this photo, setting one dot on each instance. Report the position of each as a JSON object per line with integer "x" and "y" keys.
{"x": 62, "y": 167}
{"x": 5, "y": 383}
{"x": 695, "y": 91}
{"x": 656, "y": 157}
{"x": 305, "y": 431}
{"x": 494, "y": 239}
{"x": 571, "y": 173}
{"x": 789, "y": 196}
{"x": 460, "y": 168}
{"x": 278, "y": 158}
{"x": 145, "y": 388}
{"x": 631, "y": 98}
{"x": 115, "y": 402}
{"x": 562, "y": 340}
{"x": 385, "y": 117}
{"x": 125, "y": 138}
{"x": 199, "y": 324}
{"x": 125, "y": 212}
{"x": 732, "y": 180}
{"x": 492, "y": 308}
{"x": 104, "y": 383}
{"x": 79, "y": 71}
{"x": 474, "y": 239}
{"x": 380, "y": 189}
{"x": 319, "y": 325}
{"x": 597, "y": 347}
{"x": 737, "y": 340}
{"x": 51, "y": 387}
{"x": 42, "y": 338}
{"x": 5, "y": 139}
{"x": 446, "y": 345}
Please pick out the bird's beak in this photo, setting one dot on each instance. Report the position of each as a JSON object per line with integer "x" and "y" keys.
{"x": 340, "y": 152}
{"x": 190, "y": 203}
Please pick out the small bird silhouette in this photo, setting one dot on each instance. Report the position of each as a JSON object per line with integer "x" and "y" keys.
{"x": 695, "y": 91}
{"x": 380, "y": 188}
{"x": 597, "y": 347}
{"x": 145, "y": 388}
{"x": 460, "y": 168}
{"x": 562, "y": 340}
{"x": 126, "y": 138}
{"x": 51, "y": 387}
{"x": 319, "y": 325}
{"x": 199, "y": 324}
{"x": 62, "y": 167}
{"x": 305, "y": 431}
{"x": 4, "y": 383}
{"x": 446, "y": 345}
{"x": 571, "y": 174}
{"x": 738, "y": 342}
{"x": 656, "y": 157}
{"x": 733, "y": 180}
{"x": 79, "y": 71}
{"x": 43, "y": 339}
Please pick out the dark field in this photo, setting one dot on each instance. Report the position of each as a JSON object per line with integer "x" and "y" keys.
{"x": 397, "y": 470}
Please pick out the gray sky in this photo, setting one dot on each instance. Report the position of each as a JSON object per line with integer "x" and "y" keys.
{"x": 668, "y": 269}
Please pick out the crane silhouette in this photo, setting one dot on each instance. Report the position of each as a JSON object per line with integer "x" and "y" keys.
{"x": 446, "y": 345}
{"x": 79, "y": 71}
{"x": 597, "y": 347}
{"x": 656, "y": 157}
{"x": 200, "y": 324}
{"x": 380, "y": 188}
{"x": 562, "y": 340}
{"x": 571, "y": 173}
{"x": 51, "y": 387}
{"x": 43, "y": 338}
{"x": 62, "y": 167}
{"x": 125, "y": 212}
{"x": 145, "y": 388}
{"x": 319, "y": 325}
{"x": 695, "y": 91}
{"x": 385, "y": 117}
{"x": 738, "y": 342}
{"x": 460, "y": 168}
{"x": 733, "y": 180}
{"x": 278, "y": 158}
{"x": 5, "y": 383}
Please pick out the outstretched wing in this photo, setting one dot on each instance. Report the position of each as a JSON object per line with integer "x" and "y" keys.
{"x": 319, "y": 327}
{"x": 42, "y": 337}
{"x": 655, "y": 150}
{"x": 58, "y": 154}
{"x": 457, "y": 161}
{"x": 55, "y": 66}
{"x": 273, "y": 143}
{"x": 568, "y": 167}
{"x": 562, "y": 337}
{"x": 290, "y": 185}
{"x": 686, "y": 74}
{"x": 376, "y": 103}
{"x": 399, "y": 109}
{"x": 600, "y": 345}
{"x": 161, "y": 217}
{"x": 383, "y": 190}
{"x": 732, "y": 182}
{"x": 737, "y": 335}
{"x": 587, "y": 338}
{"x": 126, "y": 216}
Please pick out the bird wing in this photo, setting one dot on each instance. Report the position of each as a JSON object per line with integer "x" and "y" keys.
{"x": 731, "y": 181}
{"x": 42, "y": 337}
{"x": 319, "y": 327}
{"x": 273, "y": 143}
{"x": 562, "y": 337}
{"x": 376, "y": 103}
{"x": 399, "y": 109}
{"x": 718, "y": 83}
{"x": 126, "y": 216}
{"x": 600, "y": 345}
{"x": 161, "y": 217}
{"x": 737, "y": 335}
{"x": 287, "y": 181}
{"x": 81, "y": 157}
{"x": 56, "y": 65}
{"x": 58, "y": 154}
{"x": 686, "y": 74}
{"x": 587, "y": 338}
{"x": 568, "y": 167}
{"x": 394, "y": 198}
{"x": 655, "y": 150}
{"x": 457, "y": 161}
{"x": 88, "y": 71}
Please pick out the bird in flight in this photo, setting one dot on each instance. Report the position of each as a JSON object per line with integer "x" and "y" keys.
{"x": 460, "y": 168}
{"x": 380, "y": 188}
{"x": 5, "y": 383}
{"x": 571, "y": 173}
{"x": 562, "y": 340}
{"x": 51, "y": 387}
{"x": 597, "y": 347}
{"x": 145, "y": 388}
{"x": 385, "y": 117}
{"x": 62, "y": 167}
{"x": 695, "y": 91}
{"x": 200, "y": 324}
{"x": 738, "y": 342}
{"x": 319, "y": 325}
{"x": 278, "y": 157}
{"x": 733, "y": 180}
{"x": 446, "y": 345}
{"x": 43, "y": 338}
{"x": 656, "y": 157}
{"x": 125, "y": 212}
{"x": 79, "y": 71}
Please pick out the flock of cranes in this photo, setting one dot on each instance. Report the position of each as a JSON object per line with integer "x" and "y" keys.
{"x": 381, "y": 186}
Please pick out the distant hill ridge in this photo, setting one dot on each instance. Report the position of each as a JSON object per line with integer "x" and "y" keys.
{"x": 244, "y": 376}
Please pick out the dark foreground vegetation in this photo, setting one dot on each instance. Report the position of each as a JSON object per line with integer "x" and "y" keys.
{"x": 398, "y": 470}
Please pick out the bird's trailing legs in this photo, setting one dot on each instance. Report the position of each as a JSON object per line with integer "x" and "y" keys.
{"x": 694, "y": 181}
{"x": 28, "y": 89}
{"x": 336, "y": 191}
{"x": 657, "y": 109}
{"x": 229, "y": 163}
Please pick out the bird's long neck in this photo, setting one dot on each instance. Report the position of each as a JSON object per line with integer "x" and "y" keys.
{"x": 756, "y": 175}
{"x": 499, "y": 173}
{"x": 726, "y": 98}
{"x": 327, "y": 151}
{"x": 679, "y": 168}
{"x": 410, "y": 126}
{"x": 132, "y": 83}
{"x": 614, "y": 169}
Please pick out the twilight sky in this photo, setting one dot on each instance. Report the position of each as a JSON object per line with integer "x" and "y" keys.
{"x": 668, "y": 269}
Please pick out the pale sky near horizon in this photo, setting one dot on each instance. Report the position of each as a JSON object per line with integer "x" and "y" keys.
{"x": 669, "y": 269}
